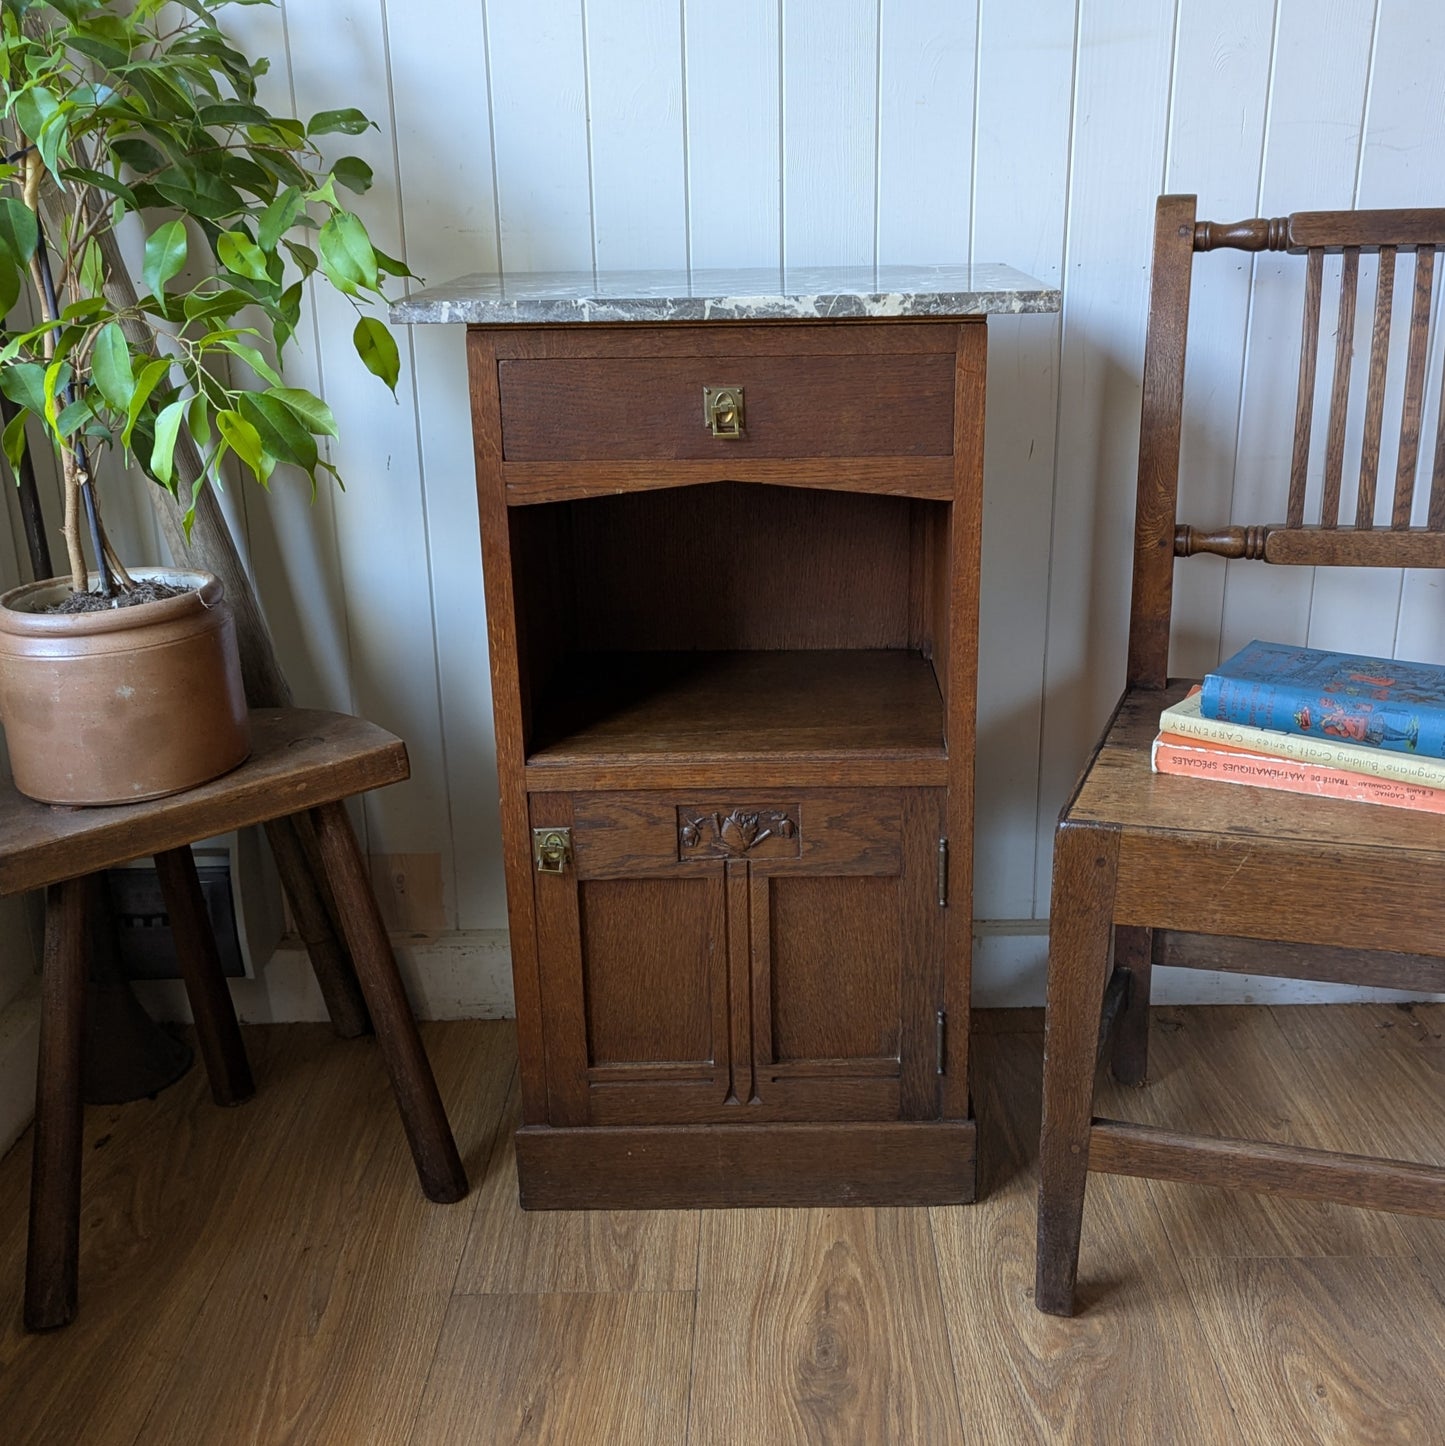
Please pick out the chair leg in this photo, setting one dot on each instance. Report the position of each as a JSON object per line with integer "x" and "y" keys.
{"x": 1134, "y": 951}
{"x": 437, "y": 1163}
{"x": 53, "y": 1260}
{"x": 206, "y": 987}
{"x": 1085, "y": 868}
{"x": 314, "y": 919}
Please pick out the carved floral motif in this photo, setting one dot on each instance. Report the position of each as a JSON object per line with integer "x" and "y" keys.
{"x": 735, "y": 834}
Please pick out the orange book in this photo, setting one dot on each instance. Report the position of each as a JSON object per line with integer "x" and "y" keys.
{"x": 1193, "y": 758}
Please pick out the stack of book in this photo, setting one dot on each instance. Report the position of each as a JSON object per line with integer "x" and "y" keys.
{"x": 1308, "y": 721}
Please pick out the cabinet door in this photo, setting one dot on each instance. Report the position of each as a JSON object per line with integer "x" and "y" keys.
{"x": 846, "y": 957}
{"x": 737, "y": 959}
{"x": 632, "y": 947}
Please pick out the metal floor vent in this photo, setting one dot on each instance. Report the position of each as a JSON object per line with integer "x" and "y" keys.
{"x": 146, "y": 946}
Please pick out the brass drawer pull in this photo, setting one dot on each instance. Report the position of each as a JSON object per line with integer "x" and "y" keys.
{"x": 722, "y": 410}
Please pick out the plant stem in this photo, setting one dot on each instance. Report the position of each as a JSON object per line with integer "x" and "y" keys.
{"x": 77, "y": 463}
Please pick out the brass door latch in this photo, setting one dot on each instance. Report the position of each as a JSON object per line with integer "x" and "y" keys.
{"x": 722, "y": 410}
{"x": 551, "y": 849}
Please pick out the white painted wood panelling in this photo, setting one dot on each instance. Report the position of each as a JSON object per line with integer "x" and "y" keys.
{"x": 615, "y": 133}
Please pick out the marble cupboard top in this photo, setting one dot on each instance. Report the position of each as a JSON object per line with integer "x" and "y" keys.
{"x": 802, "y": 293}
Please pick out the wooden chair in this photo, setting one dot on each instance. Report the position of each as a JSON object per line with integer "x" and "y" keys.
{"x": 1216, "y": 875}
{"x": 301, "y": 760}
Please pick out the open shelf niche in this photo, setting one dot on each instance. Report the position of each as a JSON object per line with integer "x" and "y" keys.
{"x": 693, "y": 631}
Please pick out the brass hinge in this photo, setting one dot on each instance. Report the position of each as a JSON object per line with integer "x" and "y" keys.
{"x": 551, "y": 849}
{"x": 943, "y": 873}
{"x": 942, "y": 1038}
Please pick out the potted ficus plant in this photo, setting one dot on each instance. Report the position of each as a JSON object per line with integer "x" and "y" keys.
{"x": 133, "y": 129}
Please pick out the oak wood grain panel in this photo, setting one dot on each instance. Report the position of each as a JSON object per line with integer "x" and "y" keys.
{"x": 1375, "y": 391}
{"x": 779, "y": 1100}
{"x": 627, "y": 835}
{"x": 649, "y": 951}
{"x": 1121, "y": 789}
{"x": 530, "y": 483}
{"x": 904, "y": 335}
{"x": 510, "y": 677}
{"x": 1368, "y": 230}
{"x": 1379, "y": 970}
{"x": 1329, "y": 1351}
{"x": 1311, "y": 547}
{"x": 1304, "y": 397}
{"x": 836, "y": 960}
{"x": 1407, "y": 455}
{"x": 511, "y": 1251}
{"x": 1120, "y": 1148}
{"x": 742, "y": 1079}
{"x": 795, "y": 406}
{"x": 960, "y": 678}
{"x": 1340, "y": 389}
{"x": 563, "y": 997}
{"x": 560, "y": 1369}
{"x": 668, "y": 1167}
{"x": 736, "y": 565}
{"x": 854, "y": 1348}
{"x": 713, "y": 708}
{"x": 1336, "y": 898}
{"x": 854, "y": 770}
{"x": 300, "y": 757}
{"x": 924, "y": 935}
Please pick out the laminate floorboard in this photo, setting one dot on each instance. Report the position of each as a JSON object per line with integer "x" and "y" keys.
{"x": 273, "y": 1274}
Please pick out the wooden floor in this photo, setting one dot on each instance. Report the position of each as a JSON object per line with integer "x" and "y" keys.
{"x": 272, "y": 1273}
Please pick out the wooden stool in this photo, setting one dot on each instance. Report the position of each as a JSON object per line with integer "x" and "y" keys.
{"x": 301, "y": 760}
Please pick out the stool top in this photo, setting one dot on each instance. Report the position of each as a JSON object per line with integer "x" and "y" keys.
{"x": 300, "y": 757}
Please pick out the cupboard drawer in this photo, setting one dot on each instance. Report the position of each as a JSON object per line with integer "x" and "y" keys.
{"x": 624, "y": 835}
{"x": 619, "y": 408}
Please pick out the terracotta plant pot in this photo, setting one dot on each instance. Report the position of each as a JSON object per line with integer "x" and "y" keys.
{"x": 125, "y": 704}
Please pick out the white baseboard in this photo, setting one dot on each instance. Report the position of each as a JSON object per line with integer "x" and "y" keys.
{"x": 466, "y": 974}
{"x": 19, "y": 1041}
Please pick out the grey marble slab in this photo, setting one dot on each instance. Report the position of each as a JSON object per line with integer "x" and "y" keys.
{"x": 755, "y": 294}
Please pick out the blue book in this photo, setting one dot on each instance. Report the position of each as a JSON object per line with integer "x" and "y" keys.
{"x": 1382, "y": 702}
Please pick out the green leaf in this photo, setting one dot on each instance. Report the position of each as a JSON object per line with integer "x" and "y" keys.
{"x": 33, "y": 107}
{"x": 243, "y": 438}
{"x": 233, "y": 113}
{"x": 165, "y": 255}
{"x": 279, "y": 217}
{"x": 150, "y": 378}
{"x": 353, "y": 173}
{"x": 200, "y": 193}
{"x": 163, "y": 451}
{"x": 101, "y": 182}
{"x": 254, "y": 360}
{"x": 24, "y": 384}
{"x": 10, "y": 285}
{"x": 110, "y": 366}
{"x": 328, "y": 122}
{"x": 346, "y": 254}
{"x": 13, "y": 441}
{"x": 280, "y": 433}
{"x": 19, "y": 232}
{"x": 309, "y": 410}
{"x": 55, "y": 382}
{"x": 240, "y": 254}
{"x": 198, "y": 421}
{"x": 202, "y": 305}
{"x": 74, "y": 417}
{"x": 376, "y": 347}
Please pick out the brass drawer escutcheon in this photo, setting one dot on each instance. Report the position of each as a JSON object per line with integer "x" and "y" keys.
{"x": 722, "y": 410}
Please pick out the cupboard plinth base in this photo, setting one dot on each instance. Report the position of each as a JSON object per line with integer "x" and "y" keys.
{"x": 679, "y": 1167}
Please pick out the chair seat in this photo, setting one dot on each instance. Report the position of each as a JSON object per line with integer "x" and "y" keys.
{"x": 300, "y": 758}
{"x": 1119, "y": 789}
